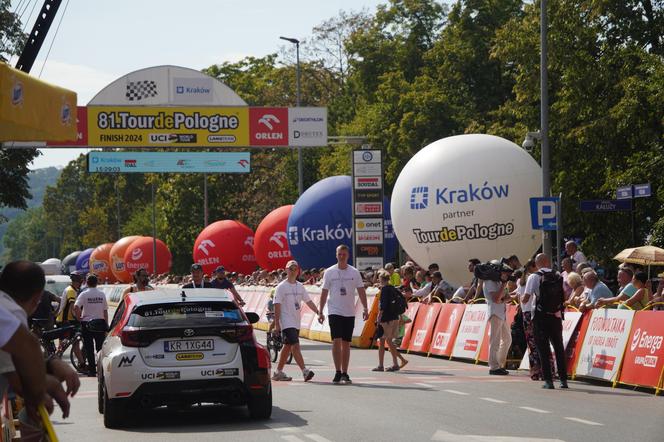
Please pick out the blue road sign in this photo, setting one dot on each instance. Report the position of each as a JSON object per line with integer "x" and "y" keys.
{"x": 642, "y": 190}
{"x": 605, "y": 205}
{"x": 624, "y": 193}
{"x": 543, "y": 213}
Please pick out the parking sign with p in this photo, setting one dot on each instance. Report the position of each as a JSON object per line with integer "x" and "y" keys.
{"x": 543, "y": 213}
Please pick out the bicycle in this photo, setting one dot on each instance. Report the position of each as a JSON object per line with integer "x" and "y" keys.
{"x": 68, "y": 336}
{"x": 274, "y": 345}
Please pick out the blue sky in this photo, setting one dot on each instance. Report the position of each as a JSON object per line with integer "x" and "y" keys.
{"x": 99, "y": 41}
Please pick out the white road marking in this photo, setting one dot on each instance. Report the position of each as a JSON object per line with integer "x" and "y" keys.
{"x": 451, "y": 437}
{"x": 534, "y": 410}
{"x": 495, "y": 401}
{"x": 363, "y": 379}
{"x": 283, "y": 428}
{"x": 460, "y": 393}
{"x": 583, "y": 421}
{"x": 318, "y": 361}
{"x": 377, "y": 382}
{"x": 444, "y": 382}
{"x": 422, "y": 378}
{"x": 292, "y": 438}
{"x": 422, "y": 384}
{"x": 317, "y": 438}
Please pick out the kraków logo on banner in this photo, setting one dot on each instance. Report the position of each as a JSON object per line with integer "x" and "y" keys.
{"x": 327, "y": 233}
{"x": 420, "y": 195}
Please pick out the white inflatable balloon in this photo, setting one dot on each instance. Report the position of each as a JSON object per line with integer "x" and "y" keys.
{"x": 463, "y": 197}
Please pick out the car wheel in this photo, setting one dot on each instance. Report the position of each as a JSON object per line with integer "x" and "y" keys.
{"x": 100, "y": 395}
{"x": 260, "y": 407}
{"x": 113, "y": 412}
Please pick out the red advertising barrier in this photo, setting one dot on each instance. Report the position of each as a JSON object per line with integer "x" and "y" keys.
{"x": 411, "y": 312}
{"x": 574, "y": 346}
{"x": 422, "y": 331}
{"x": 570, "y": 325}
{"x": 644, "y": 360}
{"x": 484, "y": 351}
{"x": 445, "y": 331}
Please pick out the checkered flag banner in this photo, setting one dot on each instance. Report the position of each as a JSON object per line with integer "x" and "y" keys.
{"x": 138, "y": 90}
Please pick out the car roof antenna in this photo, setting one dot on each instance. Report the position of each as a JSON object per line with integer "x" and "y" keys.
{"x": 184, "y": 295}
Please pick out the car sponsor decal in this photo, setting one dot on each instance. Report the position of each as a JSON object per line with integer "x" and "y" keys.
{"x": 126, "y": 361}
{"x": 189, "y": 356}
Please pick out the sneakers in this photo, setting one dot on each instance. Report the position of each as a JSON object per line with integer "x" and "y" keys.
{"x": 281, "y": 376}
{"x": 345, "y": 379}
{"x": 307, "y": 374}
{"x": 337, "y": 378}
{"x": 499, "y": 372}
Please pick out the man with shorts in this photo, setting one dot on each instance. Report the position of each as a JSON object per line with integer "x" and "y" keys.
{"x": 288, "y": 298}
{"x": 340, "y": 282}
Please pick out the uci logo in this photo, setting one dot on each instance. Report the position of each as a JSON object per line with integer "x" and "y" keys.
{"x": 419, "y": 198}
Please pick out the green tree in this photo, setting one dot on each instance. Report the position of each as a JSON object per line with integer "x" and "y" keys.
{"x": 12, "y": 38}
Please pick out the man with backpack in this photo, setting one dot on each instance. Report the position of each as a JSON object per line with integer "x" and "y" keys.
{"x": 546, "y": 286}
{"x": 392, "y": 305}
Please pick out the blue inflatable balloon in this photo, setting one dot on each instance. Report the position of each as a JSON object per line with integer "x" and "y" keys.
{"x": 83, "y": 260}
{"x": 322, "y": 219}
{"x": 69, "y": 262}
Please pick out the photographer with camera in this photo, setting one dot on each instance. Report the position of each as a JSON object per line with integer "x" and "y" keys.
{"x": 500, "y": 337}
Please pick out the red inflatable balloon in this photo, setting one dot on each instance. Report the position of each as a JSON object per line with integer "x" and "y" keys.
{"x": 139, "y": 256}
{"x": 226, "y": 243}
{"x": 117, "y": 259}
{"x": 100, "y": 263}
{"x": 271, "y": 241}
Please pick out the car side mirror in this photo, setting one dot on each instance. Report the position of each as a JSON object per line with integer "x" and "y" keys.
{"x": 252, "y": 317}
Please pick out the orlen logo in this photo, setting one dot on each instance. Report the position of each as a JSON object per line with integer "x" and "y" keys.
{"x": 136, "y": 254}
{"x": 130, "y": 163}
{"x": 268, "y": 126}
{"x": 249, "y": 242}
{"x": 419, "y": 198}
{"x": 279, "y": 238}
{"x": 267, "y": 120}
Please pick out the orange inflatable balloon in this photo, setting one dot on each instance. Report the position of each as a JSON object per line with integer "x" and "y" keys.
{"x": 100, "y": 263}
{"x": 271, "y": 242}
{"x": 226, "y": 243}
{"x": 139, "y": 256}
{"x": 117, "y": 259}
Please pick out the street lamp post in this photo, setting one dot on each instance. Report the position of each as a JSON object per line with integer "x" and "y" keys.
{"x": 300, "y": 175}
{"x": 544, "y": 119}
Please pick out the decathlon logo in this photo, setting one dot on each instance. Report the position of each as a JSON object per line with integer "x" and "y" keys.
{"x": 419, "y": 198}
{"x": 278, "y": 238}
{"x": 268, "y": 119}
{"x": 136, "y": 254}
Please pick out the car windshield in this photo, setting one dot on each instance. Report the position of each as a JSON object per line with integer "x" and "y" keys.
{"x": 185, "y": 314}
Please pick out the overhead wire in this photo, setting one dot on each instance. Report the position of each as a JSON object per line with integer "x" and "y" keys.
{"x": 64, "y": 11}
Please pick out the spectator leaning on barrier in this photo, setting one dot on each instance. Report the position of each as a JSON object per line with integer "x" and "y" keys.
{"x": 501, "y": 336}
{"x": 340, "y": 282}
{"x": 388, "y": 322}
{"x": 546, "y": 286}
{"x": 197, "y": 280}
{"x": 638, "y": 300}
{"x": 598, "y": 290}
{"x": 575, "y": 282}
{"x": 626, "y": 289}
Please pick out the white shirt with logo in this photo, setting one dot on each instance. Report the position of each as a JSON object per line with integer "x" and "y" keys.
{"x": 93, "y": 303}
{"x": 342, "y": 286}
{"x": 290, "y": 297}
{"x": 10, "y": 307}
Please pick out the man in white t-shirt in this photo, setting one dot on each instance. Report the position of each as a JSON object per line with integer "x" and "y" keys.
{"x": 288, "y": 298}
{"x": 341, "y": 281}
{"x": 91, "y": 308}
{"x": 575, "y": 254}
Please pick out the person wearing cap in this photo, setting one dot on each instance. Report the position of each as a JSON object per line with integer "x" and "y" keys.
{"x": 68, "y": 298}
{"x": 91, "y": 309}
{"x": 222, "y": 282}
{"x": 288, "y": 298}
{"x": 197, "y": 280}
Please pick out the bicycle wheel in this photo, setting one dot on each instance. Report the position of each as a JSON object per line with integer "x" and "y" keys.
{"x": 290, "y": 358}
{"x": 274, "y": 353}
{"x": 77, "y": 353}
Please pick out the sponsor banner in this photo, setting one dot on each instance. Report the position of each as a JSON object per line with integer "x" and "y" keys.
{"x": 369, "y": 208}
{"x": 370, "y": 250}
{"x": 365, "y": 195}
{"x": 604, "y": 343}
{"x": 366, "y": 156}
{"x": 81, "y": 130}
{"x": 169, "y": 162}
{"x": 471, "y": 331}
{"x": 369, "y": 225}
{"x": 307, "y": 126}
{"x": 446, "y": 328}
{"x": 370, "y": 182}
{"x": 192, "y": 90}
{"x": 134, "y": 126}
{"x": 484, "y": 351}
{"x": 411, "y": 312}
{"x": 644, "y": 359}
{"x": 420, "y": 337}
{"x": 363, "y": 263}
{"x": 367, "y": 169}
{"x": 268, "y": 126}
{"x": 369, "y": 238}
{"x": 569, "y": 327}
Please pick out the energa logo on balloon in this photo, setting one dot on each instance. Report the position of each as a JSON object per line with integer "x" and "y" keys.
{"x": 136, "y": 254}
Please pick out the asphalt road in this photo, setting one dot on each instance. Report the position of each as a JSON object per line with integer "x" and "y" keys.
{"x": 431, "y": 399}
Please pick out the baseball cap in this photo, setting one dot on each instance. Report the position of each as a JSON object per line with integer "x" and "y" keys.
{"x": 196, "y": 267}
{"x": 219, "y": 269}
{"x": 437, "y": 275}
{"x": 433, "y": 265}
{"x": 291, "y": 263}
{"x": 76, "y": 276}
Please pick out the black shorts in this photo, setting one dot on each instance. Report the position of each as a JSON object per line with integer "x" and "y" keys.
{"x": 290, "y": 336}
{"x": 341, "y": 327}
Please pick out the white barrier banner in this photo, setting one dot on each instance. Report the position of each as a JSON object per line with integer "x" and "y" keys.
{"x": 569, "y": 325}
{"x": 471, "y": 331}
{"x": 604, "y": 344}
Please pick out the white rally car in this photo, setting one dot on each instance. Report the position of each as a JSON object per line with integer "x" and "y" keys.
{"x": 181, "y": 347}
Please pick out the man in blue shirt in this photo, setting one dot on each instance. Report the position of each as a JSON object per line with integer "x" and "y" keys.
{"x": 598, "y": 290}
{"x": 221, "y": 282}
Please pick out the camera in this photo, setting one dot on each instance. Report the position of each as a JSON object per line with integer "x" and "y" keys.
{"x": 529, "y": 142}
